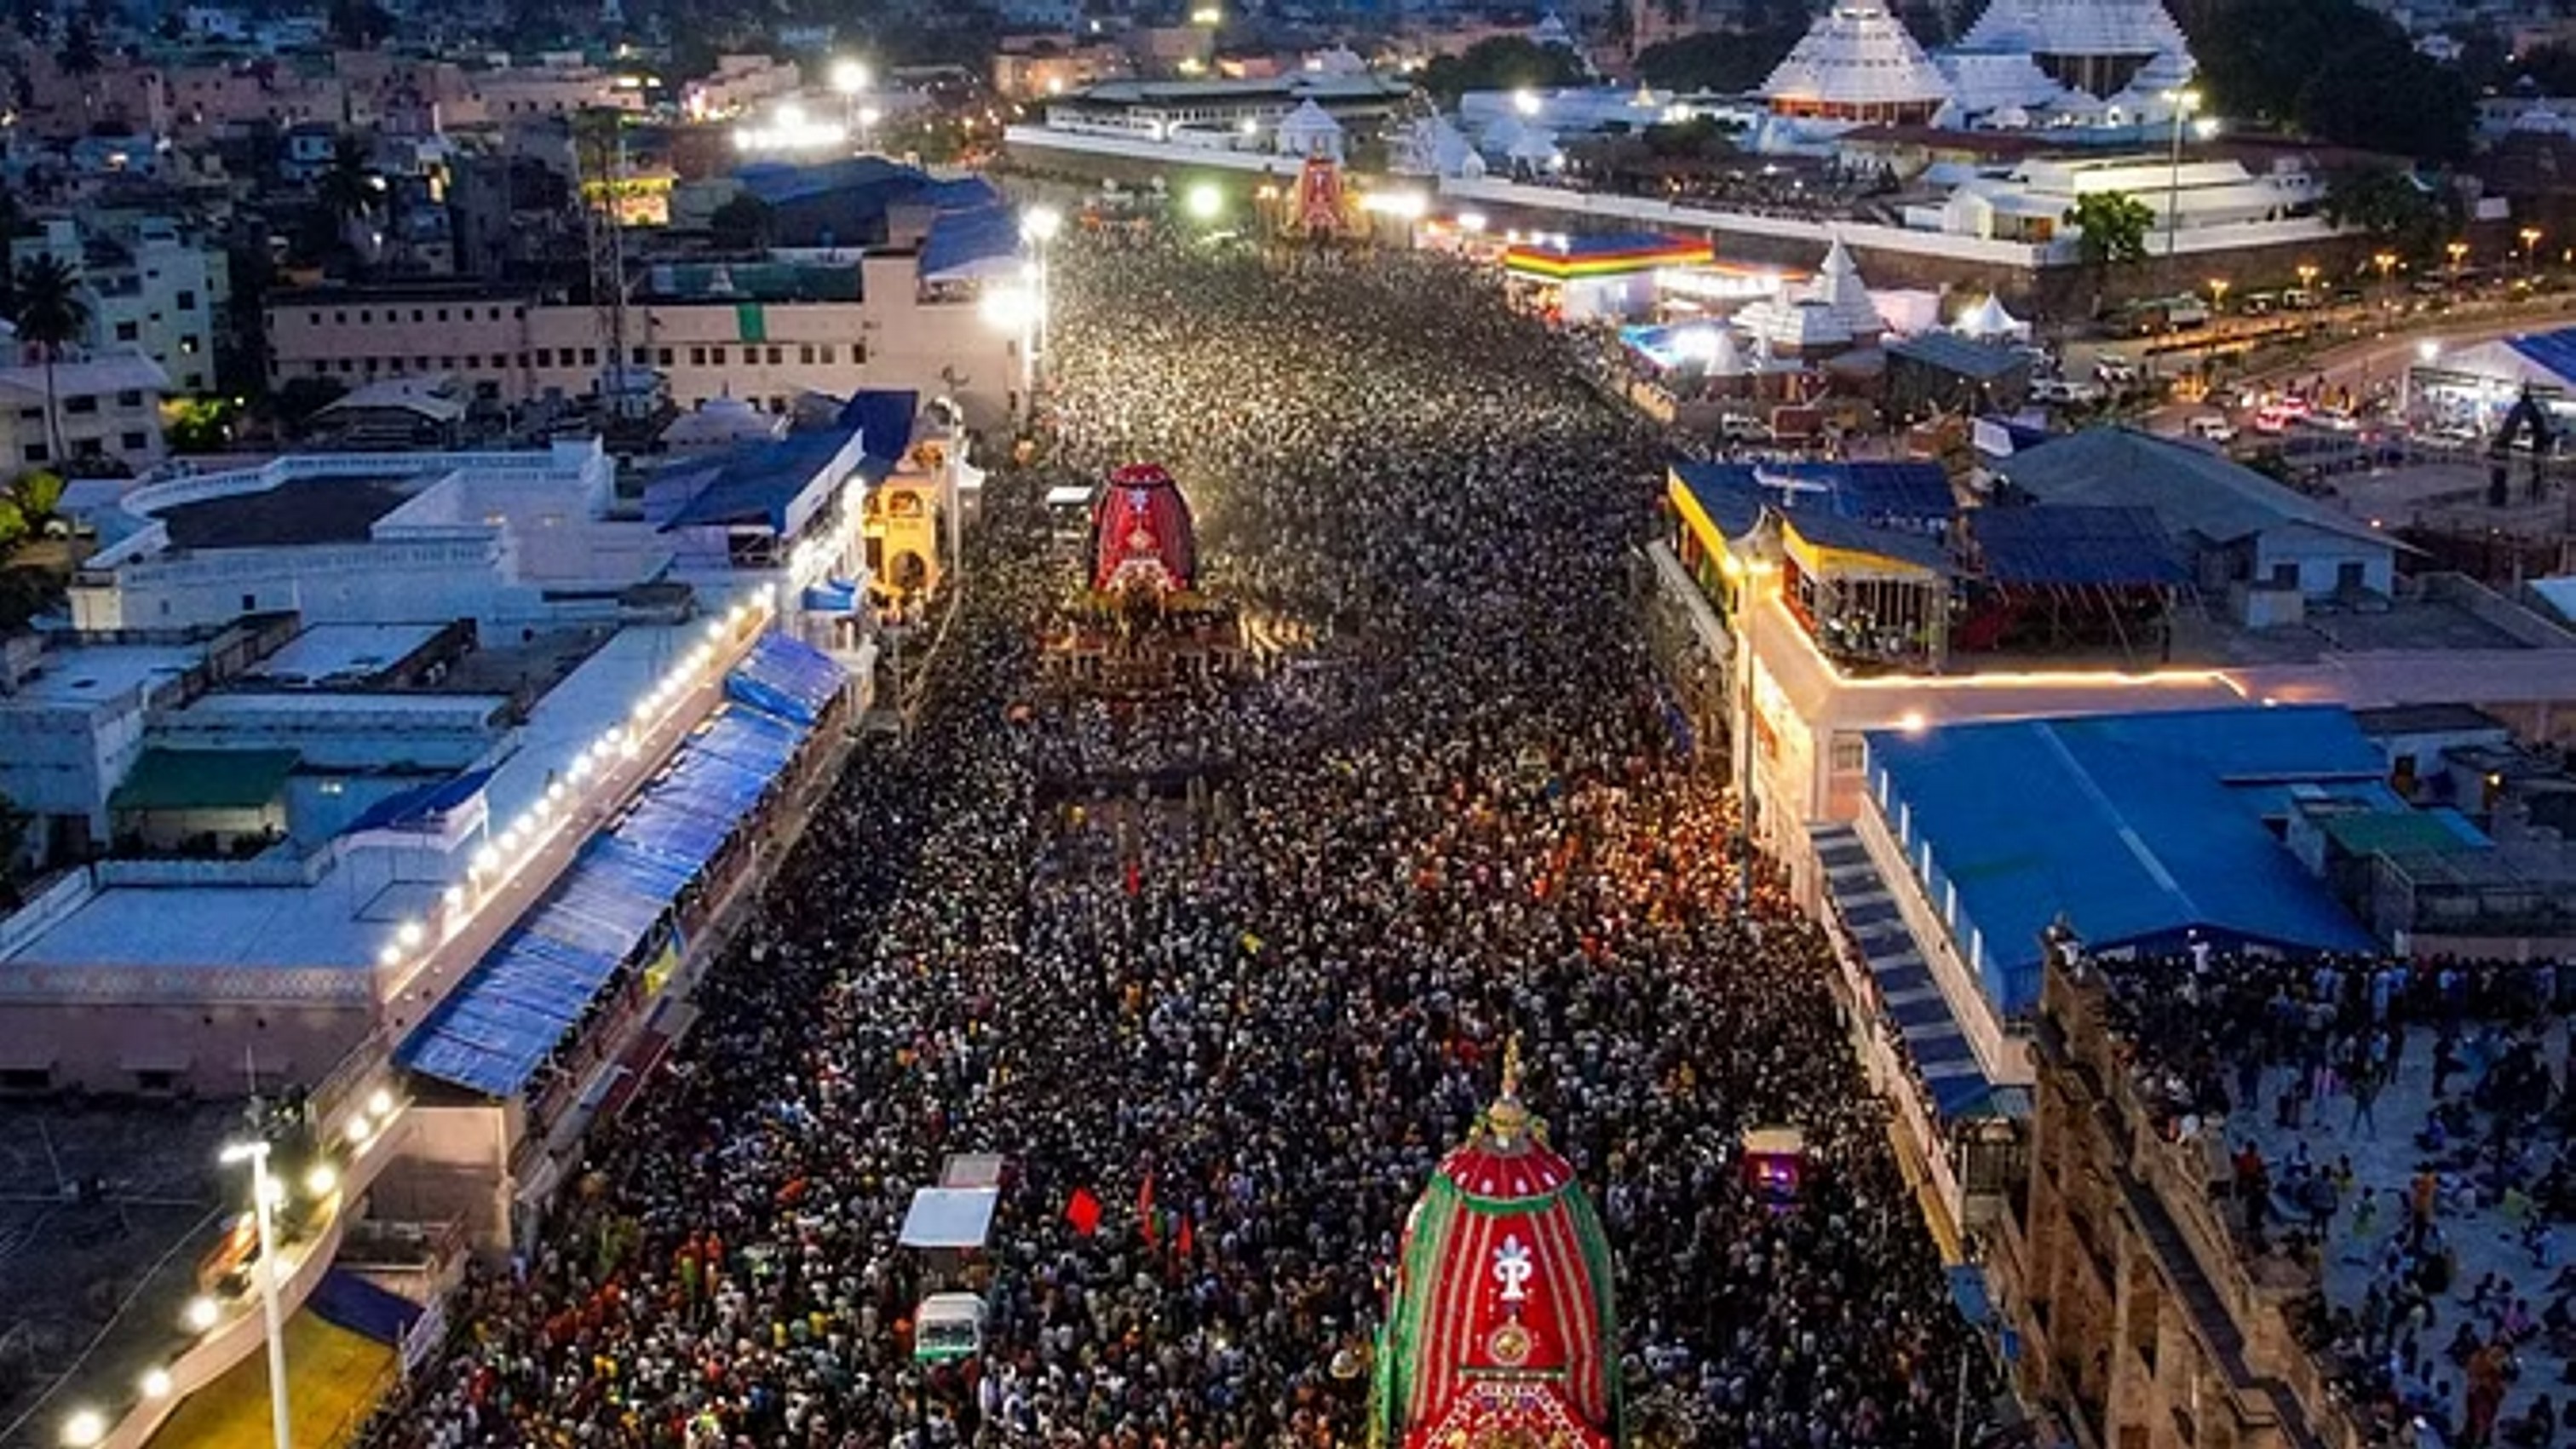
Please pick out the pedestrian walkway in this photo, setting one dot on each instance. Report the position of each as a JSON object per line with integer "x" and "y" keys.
{"x": 333, "y": 1378}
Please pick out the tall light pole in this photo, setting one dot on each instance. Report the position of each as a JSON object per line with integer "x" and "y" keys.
{"x": 2182, "y": 103}
{"x": 1039, "y": 227}
{"x": 263, "y": 1193}
{"x": 2530, "y": 238}
{"x": 850, "y": 77}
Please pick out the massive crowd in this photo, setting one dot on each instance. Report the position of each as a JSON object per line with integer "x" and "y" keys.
{"x": 1277, "y": 997}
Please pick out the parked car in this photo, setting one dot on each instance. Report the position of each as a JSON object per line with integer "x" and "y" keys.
{"x": 2211, "y": 427}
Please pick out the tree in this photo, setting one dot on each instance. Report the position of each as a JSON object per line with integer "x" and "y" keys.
{"x": 2111, "y": 229}
{"x": 52, "y": 315}
{"x": 2550, "y": 68}
{"x": 1502, "y": 63}
{"x": 2382, "y": 94}
{"x": 36, "y": 496}
{"x": 2334, "y": 69}
{"x": 2393, "y": 208}
{"x": 740, "y": 225}
{"x": 348, "y": 188}
{"x": 80, "y": 49}
{"x": 359, "y": 24}
{"x": 1715, "y": 61}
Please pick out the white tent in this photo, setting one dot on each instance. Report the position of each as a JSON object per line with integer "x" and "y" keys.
{"x": 1988, "y": 319}
{"x": 1839, "y": 287}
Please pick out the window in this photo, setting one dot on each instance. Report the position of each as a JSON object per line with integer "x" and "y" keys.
{"x": 697, "y": 357}
{"x": 129, "y": 331}
{"x": 858, "y": 354}
{"x": 447, "y": 364}
{"x": 719, "y": 355}
{"x": 777, "y": 355}
{"x": 641, "y": 357}
{"x": 132, "y": 397}
{"x": 1848, "y": 751}
{"x": 365, "y": 317}
{"x": 188, "y": 345}
{"x": 417, "y": 316}
{"x": 545, "y": 357}
{"x": 187, "y": 301}
{"x": 346, "y": 366}
{"x": 133, "y": 442}
{"x": 80, "y": 406}
{"x": 31, "y": 415}
{"x": 590, "y": 357}
{"x": 2351, "y": 574}
{"x": 442, "y": 314}
{"x": 250, "y": 603}
{"x": 828, "y": 349}
{"x": 37, "y": 453}
{"x": 339, "y": 319}
{"x": 2285, "y": 575}
{"x": 805, "y": 354}
{"x": 666, "y": 357}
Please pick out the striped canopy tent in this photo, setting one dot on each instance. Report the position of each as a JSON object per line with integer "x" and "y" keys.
{"x": 1501, "y": 1328}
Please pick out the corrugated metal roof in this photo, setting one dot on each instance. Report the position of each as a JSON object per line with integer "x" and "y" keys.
{"x": 2072, "y": 546}
{"x": 2132, "y": 826}
{"x": 2192, "y": 490}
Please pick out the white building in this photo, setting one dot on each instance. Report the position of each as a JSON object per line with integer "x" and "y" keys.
{"x": 109, "y": 405}
{"x": 151, "y": 287}
{"x": 2096, "y": 46}
{"x": 2205, "y": 202}
{"x": 1857, "y": 64}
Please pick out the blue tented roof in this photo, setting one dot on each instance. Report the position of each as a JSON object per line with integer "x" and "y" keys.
{"x": 962, "y": 238}
{"x": 1726, "y": 492}
{"x": 345, "y": 1300}
{"x": 754, "y": 483}
{"x": 786, "y": 677}
{"x": 422, "y": 804}
{"x": 1878, "y": 493}
{"x": 2070, "y": 545}
{"x": 884, "y": 418}
{"x": 531, "y": 990}
{"x": 1953, "y": 1078}
{"x": 2555, "y": 351}
{"x": 2139, "y": 828}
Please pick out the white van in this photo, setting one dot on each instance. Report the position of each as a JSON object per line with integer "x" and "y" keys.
{"x": 947, "y": 1327}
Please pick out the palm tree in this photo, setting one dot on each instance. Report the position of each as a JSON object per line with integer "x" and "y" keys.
{"x": 52, "y": 314}
{"x": 348, "y": 188}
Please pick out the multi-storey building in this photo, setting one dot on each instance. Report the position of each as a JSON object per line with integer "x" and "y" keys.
{"x": 150, "y": 285}
{"x": 762, "y": 332}
{"x": 108, "y": 407}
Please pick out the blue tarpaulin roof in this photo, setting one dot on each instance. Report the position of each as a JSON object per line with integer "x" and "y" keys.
{"x": 884, "y": 418}
{"x": 959, "y": 240}
{"x": 348, "y": 1301}
{"x": 2555, "y": 351}
{"x": 421, "y": 805}
{"x": 754, "y": 483}
{"x": 2140, "y": 829}
{"x": 786, "y": 677}
{"x": 2070, "y": 545}
{"x": 531, "y": 991}
{"x": 1899, "y": 493}
{"x": 1952, "y": 1076}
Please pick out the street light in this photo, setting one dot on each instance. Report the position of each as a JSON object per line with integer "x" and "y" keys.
{"x": 2530, "y": 238}
{"x": 1204, "y": 202}
{"x": 2183, "y": 103}
{"x": 850, "y": 77}
{"x": 1039, "y": 227}
{"x": 2308, "y": 280}
{"x": 261, "y": 1197}
{"x": 2458, "y": 252}
{"x": 84, "y": 1428}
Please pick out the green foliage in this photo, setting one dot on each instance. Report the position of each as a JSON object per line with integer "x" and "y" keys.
{"x": 51, "y": 313}
{"x": 2335, "y": 70}
{"x": 2393, "y": 209}
{"x": 2113, "y": 226}
{"x": 36, "y": 496}
{"x": 1501, "y": 63}
{"x": 348, "y": 188}
{"x": 198, "y": 424}
{"x": 80, "y": 49}
{"x": 1715, "y": 61}
{"x": 13, "y": 525}
{"x": 359, "y": 24}
{"x": 1698, "y": 139}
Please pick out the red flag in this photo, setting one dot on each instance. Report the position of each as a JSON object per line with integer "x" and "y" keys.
{"x": 1145, "y": 1208}
{"x": 1083, "y": 1212}
{"x": 1186, "y": 1240}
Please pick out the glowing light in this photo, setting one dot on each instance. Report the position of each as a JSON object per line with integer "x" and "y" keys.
{"x": 2427, "y": 350}
{"x": 390, "y": 957}
{"x": 1471, "y": 222}
{"x": 358, "y": 1131}
{"x": 201, "y": 1313}
{"x": 1207, "y": 15}
{"x": 1526, "y": 102}
{"x": 156, "y": 1383}
{"x": 84, "y": 1428}
{"x": 1911, "y": 722}
{"x": 1009, "y": 308}
{"x": 849, "y": 77}
{"x": 454, "y": 896}
{"x": 320, "y": 1181}
{"x": 487, "y": 860}
{"x": 410, "y": 934}
{"x": 1410, "y": 205}
{"x": 380, "y": 1102}
{"x": 1204, "y": 201}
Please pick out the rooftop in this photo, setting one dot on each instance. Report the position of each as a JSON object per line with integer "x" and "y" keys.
{"x": 2193, "y": 490}
{"x": 2129, "y": 826}
{"x": 343, "y": 653}
{"x": 84, "y": 673}
{"x": 296, "y": 513}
